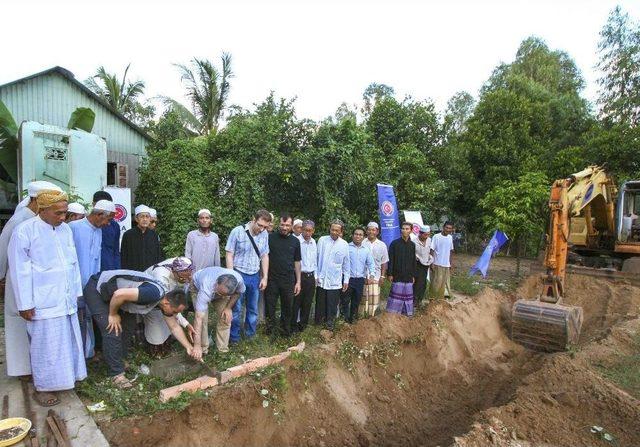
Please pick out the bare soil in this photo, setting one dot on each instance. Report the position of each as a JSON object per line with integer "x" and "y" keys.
{"x": 448, "y": 376}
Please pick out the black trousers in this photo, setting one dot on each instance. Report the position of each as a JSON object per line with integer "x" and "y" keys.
{"x": 350, "y": 300}
{"x": 420, "y": 285}
{"x": 327, "y": 306}
{"x": 114, "y": 347}
{"x": 282, "y": 289}
{"x": 303, "y": 302}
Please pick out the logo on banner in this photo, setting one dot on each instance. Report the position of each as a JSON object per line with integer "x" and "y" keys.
{"x": 386, "y": 208}
{"x": 121, "y": 213}
{"x": 416, "y": 229}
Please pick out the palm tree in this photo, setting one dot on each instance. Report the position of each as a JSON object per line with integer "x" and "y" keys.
{"x": 207, "y": 90}
{"x": 122, "y": 95}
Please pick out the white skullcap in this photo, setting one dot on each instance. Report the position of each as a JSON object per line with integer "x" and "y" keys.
{"x": 297, "y": 222}
{"x": 33, "y": 188}
{"x": 105, "y": 205}
{"x": 425, "y": 229}
{"x": 204, "y": 211}
{"x": 76, "y": 208}
{"x": 153, "y": 213}
{"x": 372, "y": 225}
{"x": 142, "y": 209}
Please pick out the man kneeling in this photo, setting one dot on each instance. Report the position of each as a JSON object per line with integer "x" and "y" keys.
{"x": 115, "y": 297}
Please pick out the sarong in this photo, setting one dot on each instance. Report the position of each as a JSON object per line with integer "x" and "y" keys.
{"x": 370, "y": 300}
{"x": 440, "y": 282}
{"x": 15, "y": 335}
{"x": 57, "y": 357}
{"x": 400, "y": 299}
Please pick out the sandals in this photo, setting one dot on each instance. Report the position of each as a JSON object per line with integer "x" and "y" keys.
{"x": 45, "y": 399}
{"x": 121, "y": 382}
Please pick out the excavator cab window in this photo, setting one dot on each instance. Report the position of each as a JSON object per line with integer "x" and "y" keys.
{"x": 630, "y": 223}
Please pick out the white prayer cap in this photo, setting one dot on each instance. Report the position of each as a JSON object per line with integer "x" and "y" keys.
{"x": 372, "y": 225}
{"x": 105, "y": 205}
{"x": 142, "y": 209}
{"x": 297, "y": 222}
{"x": 33, "y": 188}
{"x": 425, "y": 229}
{"x": 76, "y": 208}
{"x": 204, "y": 211}
{"x": 153, "y": 213}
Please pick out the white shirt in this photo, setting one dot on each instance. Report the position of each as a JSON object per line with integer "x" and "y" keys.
{"x": 442, "y": 247}
{"x": 380, "y": 254}
{"x": 44, "y": 269}
{"x": 423, "y": 251}
{"x": 333, "y": 263}
{"x": 309, "y": 254}
{"x": 19, "y": 216}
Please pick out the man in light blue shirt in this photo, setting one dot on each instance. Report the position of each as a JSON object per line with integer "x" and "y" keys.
{"x": 221, "y": 287}
{"x": 247, "y": 252}
{"x": 362, "y": 270}
{"x": 87, "y": 237}
{"x": 332, "y": 276}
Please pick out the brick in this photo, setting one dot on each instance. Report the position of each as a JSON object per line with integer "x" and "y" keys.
{"x": 171, "y": 392}
{"x": 298, "y": 348}
{"x": 225, "y": 376}
{"x": 256, "y": 364}
{"x": 237, "y": 371}
{"x": 279, "y": 358}
{"x": 191, "y": 386}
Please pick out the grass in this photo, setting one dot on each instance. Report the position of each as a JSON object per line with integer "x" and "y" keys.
{"x": 467, "y": 285}
{"x": 143, "y": 398}
{"x": 625, "y": 370}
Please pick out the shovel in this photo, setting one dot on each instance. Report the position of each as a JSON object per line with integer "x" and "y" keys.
{"x": 209, "y": 371}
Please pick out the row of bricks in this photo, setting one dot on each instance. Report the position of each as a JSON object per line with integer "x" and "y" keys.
{"x": 205, "y": 382}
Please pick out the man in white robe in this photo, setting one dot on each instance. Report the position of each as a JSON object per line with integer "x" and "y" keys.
{"x": 87, "y": 237}
{"x": 15, "y": 327}
{"x": 45, "y": 277}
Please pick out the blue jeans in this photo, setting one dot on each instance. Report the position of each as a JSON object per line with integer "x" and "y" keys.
{"x": 250, "y": 297}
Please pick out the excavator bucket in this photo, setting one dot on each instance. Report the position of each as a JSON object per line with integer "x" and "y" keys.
{"x": 545, "y": 326}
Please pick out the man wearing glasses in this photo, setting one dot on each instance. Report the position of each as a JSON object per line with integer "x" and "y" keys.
{"x": 222, "y": 287}
{"x": 247, "y": 252}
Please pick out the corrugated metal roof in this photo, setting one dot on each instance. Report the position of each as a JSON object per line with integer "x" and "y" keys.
{"x": 84, "y": 89}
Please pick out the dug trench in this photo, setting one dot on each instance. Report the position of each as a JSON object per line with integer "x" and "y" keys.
{"x": 448, "y": 376}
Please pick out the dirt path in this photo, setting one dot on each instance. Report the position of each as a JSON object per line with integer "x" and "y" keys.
{"x": 449, "y": 376}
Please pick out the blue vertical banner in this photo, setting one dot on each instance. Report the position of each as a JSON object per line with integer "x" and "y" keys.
{"x": 388, "y": 212}
{"x": 482, "y": 265}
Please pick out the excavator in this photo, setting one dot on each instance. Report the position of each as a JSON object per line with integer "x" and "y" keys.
{"x": 593, "y": 225}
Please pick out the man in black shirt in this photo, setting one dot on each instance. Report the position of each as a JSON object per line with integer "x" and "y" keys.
{"x": 284, "y": 275}
{"x": 401, "y": 272}
{"x": 140, "y": 245}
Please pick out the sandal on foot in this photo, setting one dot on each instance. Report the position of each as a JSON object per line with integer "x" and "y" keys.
{"x": 121, "y": 382}
{"x": 45, "y": 399}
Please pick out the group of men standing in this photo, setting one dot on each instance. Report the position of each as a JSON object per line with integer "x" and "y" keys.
{"x": 71, "y": 286}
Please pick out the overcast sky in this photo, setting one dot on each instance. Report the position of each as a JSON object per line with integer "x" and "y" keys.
{"x": 322, "y": 52}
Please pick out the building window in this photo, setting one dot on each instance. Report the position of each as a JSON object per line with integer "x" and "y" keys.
{"x": 112, "y": 173}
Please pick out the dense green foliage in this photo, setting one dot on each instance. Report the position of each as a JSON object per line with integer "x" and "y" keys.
{"x": 486, "y": 162}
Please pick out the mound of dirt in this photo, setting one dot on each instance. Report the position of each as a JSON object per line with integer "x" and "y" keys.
{"x": 449, "y": 376}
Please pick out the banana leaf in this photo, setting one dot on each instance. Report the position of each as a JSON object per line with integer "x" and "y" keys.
{"x": 82, "y": 118}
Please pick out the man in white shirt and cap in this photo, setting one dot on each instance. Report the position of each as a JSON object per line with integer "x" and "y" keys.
{"x": 75, "y": 211}
{"x": 371, "y": 295}
{"x": 87, "y": 237}
{"x": 424, "y": 259}
{"x": 153, "y": 222}
{"x": 45, "y": 277}
{"x": 297, "y": 229}
{"x": 172, "y": 273}
{"x": 15, "y": 327}
{"x": 203, "y": 245}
